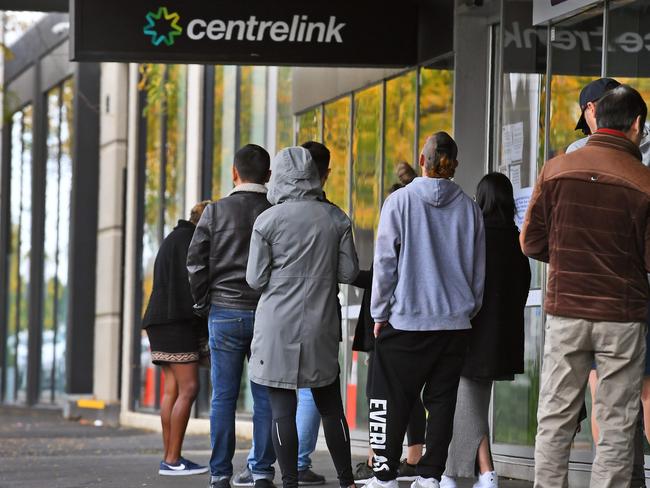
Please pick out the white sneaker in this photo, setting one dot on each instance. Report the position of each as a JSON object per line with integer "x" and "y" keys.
{"x": 487, "y": 480}
{"x": 447, "y": 482}
{"x": 421, "y": 482}
{"x": 375, "y": 483}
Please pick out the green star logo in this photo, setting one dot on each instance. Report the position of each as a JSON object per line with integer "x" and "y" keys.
{"x": 163, "y": 27}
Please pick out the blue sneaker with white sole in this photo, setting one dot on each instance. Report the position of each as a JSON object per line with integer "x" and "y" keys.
{"x": 183, "y": 467}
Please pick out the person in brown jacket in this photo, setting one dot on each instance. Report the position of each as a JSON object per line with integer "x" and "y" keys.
{"x": 589, "y": 218}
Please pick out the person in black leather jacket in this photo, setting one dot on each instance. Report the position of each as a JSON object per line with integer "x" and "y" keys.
{"x": 216, "y": 263}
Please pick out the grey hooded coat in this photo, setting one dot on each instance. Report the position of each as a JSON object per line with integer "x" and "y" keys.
{"x": 300, "y": 249}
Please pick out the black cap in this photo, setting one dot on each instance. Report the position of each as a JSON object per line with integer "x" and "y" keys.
{"x": 590, "y": 93}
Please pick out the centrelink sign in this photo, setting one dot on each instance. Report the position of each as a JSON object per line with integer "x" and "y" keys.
{"x": 335, "y": 32}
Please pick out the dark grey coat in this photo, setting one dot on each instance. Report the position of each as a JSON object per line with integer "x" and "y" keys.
{"x": 300, "y": 249}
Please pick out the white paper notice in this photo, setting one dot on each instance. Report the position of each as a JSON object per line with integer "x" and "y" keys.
{"x": 506, "y": 144}
{"x": 515, "y": 176}
{"x": 522, "y": 198}
{"x": 517, "y": 151}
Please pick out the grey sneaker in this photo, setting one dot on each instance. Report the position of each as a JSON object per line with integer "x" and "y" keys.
{"x": 363, "y": 473}
{"x": 264, "y": 483}
{"x": 244, "y": 478}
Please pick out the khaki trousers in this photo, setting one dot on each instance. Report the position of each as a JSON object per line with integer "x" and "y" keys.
{"x": 569, "y": 348}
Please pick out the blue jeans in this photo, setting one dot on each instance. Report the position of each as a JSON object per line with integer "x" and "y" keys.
{"x": 307, "y": 423}
{"x": 231, "y": 333}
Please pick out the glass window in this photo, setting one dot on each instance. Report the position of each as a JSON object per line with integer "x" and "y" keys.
{"x": 337, "y": 139}
{"x": 520, "y": 151}
{"x": 164, "y": 137}
{"x": 252, "y": 115}
{"x": 436, "y": 99}
{"x": 628, "y": 56}
{"x": 576, "y": 53}
{"x": 225, "y": 108}
{"x": 284, "y": 118}
{"x": 366, "y": 164}
{"x": 58, "y": 186}
{"x": 175, "y": 116}
{"x": 19, "y": 262}
{"x": 515, "y": 402}
{"x": 399, "y": 139}
{"x": 309, "y": 126}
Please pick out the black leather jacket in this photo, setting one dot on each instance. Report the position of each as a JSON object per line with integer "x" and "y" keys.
{"x": 218, "y": 254}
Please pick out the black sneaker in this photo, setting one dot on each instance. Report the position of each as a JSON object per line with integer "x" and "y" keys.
{"x": 308, "y": 477}
{"x": 245, "y": 478}
{"x": 264, "y": 483}
{"x": 363, "y": 473}
{"x": 224, "y": 483}
{"x": 406, "y": 471}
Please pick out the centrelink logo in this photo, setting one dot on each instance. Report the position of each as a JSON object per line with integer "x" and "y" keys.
{"x": 163, "y": 28}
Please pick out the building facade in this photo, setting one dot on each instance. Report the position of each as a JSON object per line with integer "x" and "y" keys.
{"x": 504, "y": 81}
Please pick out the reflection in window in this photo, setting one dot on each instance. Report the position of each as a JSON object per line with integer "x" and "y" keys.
{"x": 366, "y": 157}
{"x": 309, "y": 126}
{"x": 252, "y": 115}
{"x": 436, "y": 101}
{"x": 225, "y": 107}
{"x": 284, "y": 120}
{"x": 565, "y": 111}
{"x": 519, "y": 148}
{"x": 574, "y": 65}
{"x": 515, "y": 403}
{"x": 19, "y": 262}
{"x": 337, "y": 139}
{"x": 399, "y": 139}
{"x": 164, "y": 190}
{"x": 58, "y": 187}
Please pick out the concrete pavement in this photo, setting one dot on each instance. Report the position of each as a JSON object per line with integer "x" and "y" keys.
{"x": 40, "y": 449}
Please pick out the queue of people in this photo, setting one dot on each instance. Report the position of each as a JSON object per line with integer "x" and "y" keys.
{"x": 255, "y": 276}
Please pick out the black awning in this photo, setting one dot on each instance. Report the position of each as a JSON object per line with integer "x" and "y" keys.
{"x": 35, "y": 5}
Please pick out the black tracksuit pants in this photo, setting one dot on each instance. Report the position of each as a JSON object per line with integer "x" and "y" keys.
{"x": 405, "y": 362}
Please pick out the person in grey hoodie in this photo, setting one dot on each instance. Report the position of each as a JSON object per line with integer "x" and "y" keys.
{"x": 301, "y": 248}
{"x": 429, "y": 273}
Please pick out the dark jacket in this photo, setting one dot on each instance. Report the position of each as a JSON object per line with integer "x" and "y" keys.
{"x": 589, "y": 218}
{"x": 496, "y": 349}
{"x": 218, "y": 254}
{"x": 364, "y": 332}
{"x": 171, "y": 300}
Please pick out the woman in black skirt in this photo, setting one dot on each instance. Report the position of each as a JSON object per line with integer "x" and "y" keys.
{"x": 178, "y": 339}
{"x": 496, "y": 347}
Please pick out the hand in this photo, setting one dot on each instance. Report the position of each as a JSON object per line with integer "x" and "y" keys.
{"x": 379, "y": 326}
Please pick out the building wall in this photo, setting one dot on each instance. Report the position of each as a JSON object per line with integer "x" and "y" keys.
{"x": 48, "y": 220}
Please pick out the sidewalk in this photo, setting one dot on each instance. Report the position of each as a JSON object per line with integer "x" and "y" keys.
{"x": 40, "y": 449}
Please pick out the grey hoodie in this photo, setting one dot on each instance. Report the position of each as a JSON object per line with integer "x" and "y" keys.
{"x": 300, "y": 250}
{"x": 429, "y": 267}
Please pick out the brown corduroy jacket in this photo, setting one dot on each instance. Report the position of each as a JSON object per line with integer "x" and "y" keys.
{"x": 589, "y": 218}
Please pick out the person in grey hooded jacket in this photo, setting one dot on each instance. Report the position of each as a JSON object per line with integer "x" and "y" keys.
{"x": 429, "y": 273}
{"x": 300, "y": 249}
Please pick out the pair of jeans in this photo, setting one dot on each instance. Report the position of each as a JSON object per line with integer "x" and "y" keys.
{"x": 307, "y": 423}
{"x": 231, "y": 333}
